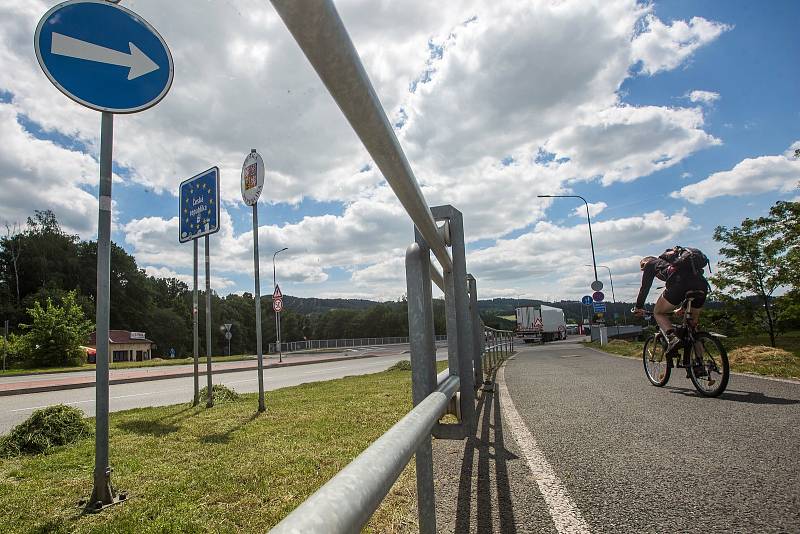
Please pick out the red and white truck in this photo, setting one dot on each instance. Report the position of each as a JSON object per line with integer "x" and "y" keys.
{"x": 538, "y": 324}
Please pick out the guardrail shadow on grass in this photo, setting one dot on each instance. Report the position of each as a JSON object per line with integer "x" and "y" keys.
{"x": 225, "y": 436}
{"x": 489, "y": 451}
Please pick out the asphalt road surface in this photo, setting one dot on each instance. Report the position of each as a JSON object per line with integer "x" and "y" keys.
{"x": 16, "y": 408}
{"x": 636, "y": 458}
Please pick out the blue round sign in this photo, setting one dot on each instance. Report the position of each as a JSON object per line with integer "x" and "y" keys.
{"x": 103, "y": 56}
{"x": 587, "y": 300}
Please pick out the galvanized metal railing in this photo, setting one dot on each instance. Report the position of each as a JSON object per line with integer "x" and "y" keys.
{"x": 499, "y": 345}
{"x": 314, "y": 344}
{"x": 345, "y": 503}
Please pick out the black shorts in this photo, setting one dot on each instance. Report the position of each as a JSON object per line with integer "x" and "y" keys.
{"x": 678, "y": 285}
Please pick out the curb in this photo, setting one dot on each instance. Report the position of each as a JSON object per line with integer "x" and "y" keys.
{"x": 182, "y": 374}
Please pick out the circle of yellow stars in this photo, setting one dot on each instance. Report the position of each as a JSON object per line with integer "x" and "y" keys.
{"x": 190, "y": 190}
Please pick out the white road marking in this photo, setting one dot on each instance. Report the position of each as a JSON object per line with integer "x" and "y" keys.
{"x": 566, "y": 516}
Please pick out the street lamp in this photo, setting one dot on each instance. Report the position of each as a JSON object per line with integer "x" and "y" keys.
{"x": 277, "y": 314}
{"x": 588, "y": 219}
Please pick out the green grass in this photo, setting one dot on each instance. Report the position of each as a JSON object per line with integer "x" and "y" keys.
{"x": 746, "y": 354}
{"x": 123, "y": 365}
{"x": 224, "y": 469}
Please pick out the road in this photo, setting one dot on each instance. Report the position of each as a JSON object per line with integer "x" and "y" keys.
{"x": 16, "y": 408}
{"x": 631, "y": 457}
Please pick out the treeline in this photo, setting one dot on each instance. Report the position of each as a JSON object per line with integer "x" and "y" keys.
{"x": 41, "y": 261}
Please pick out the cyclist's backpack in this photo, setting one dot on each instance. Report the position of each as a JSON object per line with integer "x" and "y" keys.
{"x": 687, "y": 259}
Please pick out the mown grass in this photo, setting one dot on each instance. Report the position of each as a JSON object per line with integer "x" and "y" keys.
{"x": 224, "y": 469}
{"x": 746, "y": 354}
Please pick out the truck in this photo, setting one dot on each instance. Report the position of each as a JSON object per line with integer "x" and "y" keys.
{"x": 539, "y": 324}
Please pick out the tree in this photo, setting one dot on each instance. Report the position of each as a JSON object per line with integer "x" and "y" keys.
{"x": 56, "y": 333}
{"x": 755, "y": 263}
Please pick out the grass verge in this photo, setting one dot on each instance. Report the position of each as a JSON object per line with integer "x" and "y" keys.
{"x": 123, "y": 365}
{"x": 743, "y": 357}
{"x": 224, "y": 469}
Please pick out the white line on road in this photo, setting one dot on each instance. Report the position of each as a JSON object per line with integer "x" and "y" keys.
{"x": 566, "y": 516}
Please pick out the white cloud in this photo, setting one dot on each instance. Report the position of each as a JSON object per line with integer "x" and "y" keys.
{"x": 40, "y": 175}
{"x": 594, "y": 209}
{"x": 704, "y": 97}
{"x": 624, "y": 143}
{"x": 664, "y": 47}
{"x": 751, "y": 176}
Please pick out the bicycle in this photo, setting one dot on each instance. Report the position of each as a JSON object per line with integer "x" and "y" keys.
{"x": 704, "y": 357}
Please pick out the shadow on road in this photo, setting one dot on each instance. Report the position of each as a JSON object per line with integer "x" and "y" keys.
{"x": 492, "y": 455}
{"x": 750, "y": 397}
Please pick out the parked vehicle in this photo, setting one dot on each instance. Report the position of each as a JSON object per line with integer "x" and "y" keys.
{"x": 539, "y": 324}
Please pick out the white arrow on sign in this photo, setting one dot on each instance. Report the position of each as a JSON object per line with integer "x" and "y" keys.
{"x": 138, "y": 62}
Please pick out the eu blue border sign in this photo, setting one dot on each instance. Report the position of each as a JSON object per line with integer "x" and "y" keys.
{"x": 199, "y": 205}
{"x": 103, "y": 56}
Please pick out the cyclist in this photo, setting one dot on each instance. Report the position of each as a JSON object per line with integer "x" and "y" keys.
{"x": 682, "y": 270}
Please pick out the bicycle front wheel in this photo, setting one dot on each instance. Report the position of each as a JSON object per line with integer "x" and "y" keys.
{"x": 709, "y": 370}
{"x": 654, "y": 356}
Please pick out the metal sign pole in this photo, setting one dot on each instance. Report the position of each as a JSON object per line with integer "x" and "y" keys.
{"x": 195, "y": 332}
{"x": 103, "y": 492}
{"x": 210, "y": 401}
{"x": 5, "y": 345}
{"x": 280, "y": 349}
{"x": 261, "y": 406}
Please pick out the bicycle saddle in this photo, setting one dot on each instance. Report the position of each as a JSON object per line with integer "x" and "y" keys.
{"x": 694, "y": 294}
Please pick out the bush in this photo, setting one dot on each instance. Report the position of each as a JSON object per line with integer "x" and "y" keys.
{"x": 55, "y": 336}
{"x": 49, "y": 427}
{"x": 221, "y": 394}
{"x": 402, "y": 365}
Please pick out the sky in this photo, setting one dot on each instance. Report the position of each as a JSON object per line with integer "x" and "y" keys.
{"x": 670, "y": 118}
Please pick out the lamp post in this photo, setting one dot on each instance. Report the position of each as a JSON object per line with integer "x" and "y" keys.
{"x": 277, "y": 314}
{"x": 588, "y": 219}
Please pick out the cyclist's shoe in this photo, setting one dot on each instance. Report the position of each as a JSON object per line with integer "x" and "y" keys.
{"x": 699, "y": 370}
{"x": 672, "y": 342}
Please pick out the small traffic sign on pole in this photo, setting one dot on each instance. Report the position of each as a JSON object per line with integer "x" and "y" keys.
{"x": 598, "y": 296}
{"x": 277, "y": 293}
{"x": 277, "y": 305}
{"x": 109, "y": 59}
{"x": 251, "y": 184}
{"x": 199, "y": 205}
{"x": 587, "y": 300}
{"x": 597, "y": 285}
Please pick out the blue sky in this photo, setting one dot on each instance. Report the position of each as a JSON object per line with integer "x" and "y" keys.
{"x": 476, "y": 92}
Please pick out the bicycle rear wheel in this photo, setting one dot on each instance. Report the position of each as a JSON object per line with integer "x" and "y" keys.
{"x": 710, "y": 370}
{"x": 655, "y": 360}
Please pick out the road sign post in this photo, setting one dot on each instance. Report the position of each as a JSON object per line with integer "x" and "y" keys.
{"x": 210, "y": 397}
{"x": 277, "y": 307}
{"x": 251, "y": 185}
{"x": 198, "y": 211}
{"x": 80, "y": 45}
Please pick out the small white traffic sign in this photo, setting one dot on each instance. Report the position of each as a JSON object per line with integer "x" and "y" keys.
{"x": 597, "y": 285}
{"x": 103, "y": 56}
{"x": 228, "y": 335}
{"x": 252, "y": 178}
{"x": 277, "y": 294}
{"x": 277, "y": 305}
{"x": 228, "y": 326}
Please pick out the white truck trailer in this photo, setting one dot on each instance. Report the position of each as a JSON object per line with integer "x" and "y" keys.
{"x": 538, "y": 324}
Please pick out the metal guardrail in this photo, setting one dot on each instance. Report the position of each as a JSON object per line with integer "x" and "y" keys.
{"x": 313, "y": 344}
{"x": 346, "y": 502}
{"x": 499, "y": 345}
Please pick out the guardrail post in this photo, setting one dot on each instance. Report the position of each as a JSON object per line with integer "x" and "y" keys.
{"x": 475, "y": 329}
{"x": 459, "y": 337}
{"x": 423, "y": 369}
